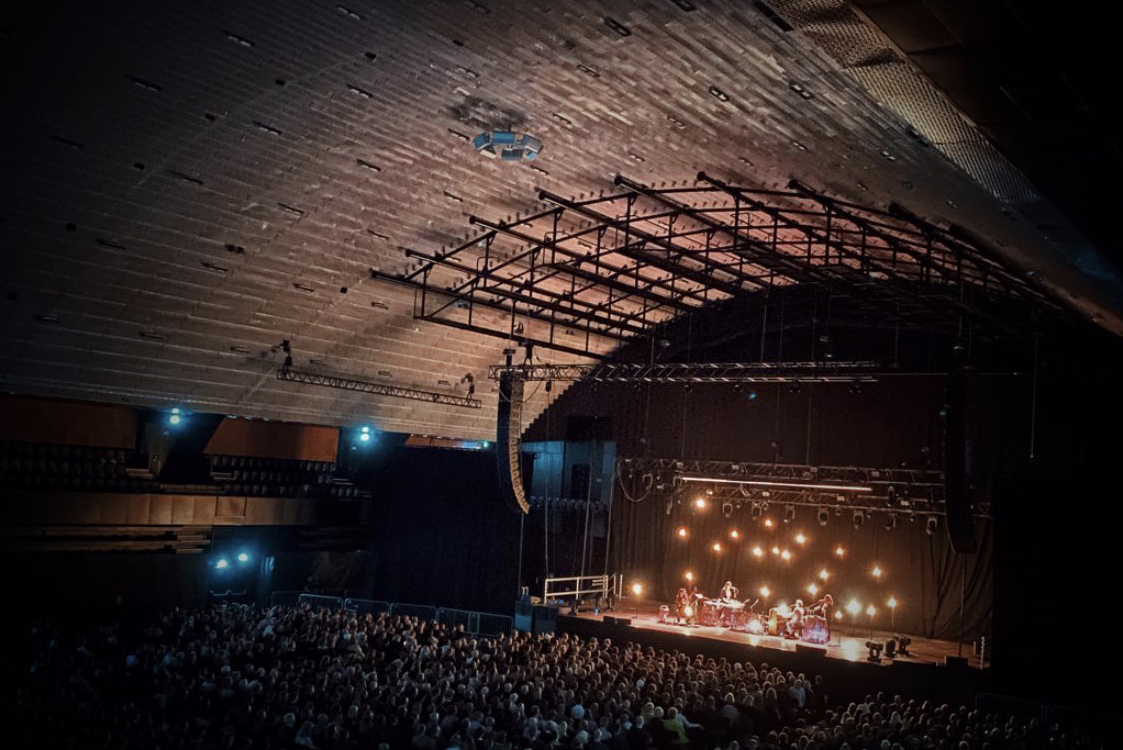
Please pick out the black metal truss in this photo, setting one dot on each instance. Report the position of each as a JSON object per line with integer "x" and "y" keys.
{"x": 379, "y": 389}
{"x": 768, "y": 485}
{"x": 699, "y": 372}
{"x": 582, "y": 276}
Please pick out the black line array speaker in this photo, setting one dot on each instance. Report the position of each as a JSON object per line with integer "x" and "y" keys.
{"x": 508, "y": 441}
{"x": 957, "y": 459}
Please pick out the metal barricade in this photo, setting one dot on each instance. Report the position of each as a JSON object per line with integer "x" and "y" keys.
{"x": 413, "y": 610}
{"x": 284, "y": 598}
{"x": 366, "y": 606}
{"x": 490, "y": 624}
{"x": 556, "y": 589}
{"x": 319, "y": 601}
{"x": 476, "y": 623}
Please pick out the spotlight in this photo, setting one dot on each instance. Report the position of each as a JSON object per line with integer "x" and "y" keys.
{"x": 689, "y": 576}
{"x": 859, "y": 519}
{"x": 637, "y": 589}
{"x": 727, "y": 509}
{"x": 364, "y": 437}
{"x": 824, "y": 575}
{"x": 174, "y": 419}
{"x": 838, "y": 614}
{"x": 933, "y": 525}
{"x": 800, "y": 538}
{"x": 824, "y": 516}
{"x": 700, "y": 503}
{"x": 681, "y": 532}
{"x": 775, "y": 550}
{"x": 890, "y": 649}
{"x": 765, "y": 592}
{"x": 734, "y": 534}
{"x": 853, "y": 607}
{"x": 752, "y": 395}
{"x": 786, "y": 556}
{"x": 768, "y": 523}
{"x": 875, "y": 648}
{"x": 903, "y": 642}
{"x": 840, "y": 551}
{"x": 871, "y": 611}
{"x": 758, "y": 552}
{"x": 243, "y": 557}
{"x": 716, "y": 547}
{"x": 892, "y": 603}
{"x": 892, "y": 522}
{"x": 876, "y": 571}
{"x": 789, "y": 514}
{"x": 222, "y": 563}
{"x": 813, "y": 589}
{"x": 755, "y": 511}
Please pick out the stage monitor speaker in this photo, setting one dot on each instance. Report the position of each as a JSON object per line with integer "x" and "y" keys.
{"x": 545, "y": 619}
{"x": 801, "y": 648}
{"x": 610, "y": 620}
{"x": 957, "y": 459}
{"x": 508, "y": 451}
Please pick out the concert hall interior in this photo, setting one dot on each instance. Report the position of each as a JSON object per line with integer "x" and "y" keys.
{"x": 600, "y": 374}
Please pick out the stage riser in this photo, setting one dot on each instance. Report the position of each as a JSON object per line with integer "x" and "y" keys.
{"x": 846, "y": 681}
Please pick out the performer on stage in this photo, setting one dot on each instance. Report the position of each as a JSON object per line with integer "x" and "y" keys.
{"x": 795, "y": 622}
{"x": 818, "y": 626}
{"x": 728, "y": 596}
{"x": 684, "y": 609}
{"x": 822, "y": 607}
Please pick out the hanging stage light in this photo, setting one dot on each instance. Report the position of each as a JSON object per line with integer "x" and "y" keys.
{"x": 755, "y": 511}
{"x": 789, "y": 514}
{"x": 859, "y": 519}
{"x": 933, "y": 525}
{"x": 824, "y": 516}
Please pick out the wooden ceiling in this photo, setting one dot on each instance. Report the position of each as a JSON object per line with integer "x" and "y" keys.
{"x": 186, "y": 186}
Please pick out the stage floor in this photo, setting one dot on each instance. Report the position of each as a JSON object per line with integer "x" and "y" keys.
{"x": 847, "y": 643}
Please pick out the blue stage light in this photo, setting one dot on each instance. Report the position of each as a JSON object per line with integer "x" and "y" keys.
{"x": 222, "y": 563}
{"x": 243, "y": 557}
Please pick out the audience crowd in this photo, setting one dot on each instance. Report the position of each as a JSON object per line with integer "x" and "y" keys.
{"x": 241, "y": 678}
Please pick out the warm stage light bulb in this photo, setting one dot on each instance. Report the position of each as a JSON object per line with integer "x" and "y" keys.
{"x": 716, "y": 547}
{"x": 876, "y": 572}
{"x": 765, "y": 591}
{"x": 689, "y": 576}
{"x": 823, "y": 574}
{"x": 682, "y": 531}
{"x": 700, "y": 503}
{"x": 637, "y": 588}
{"x": 840, "y": 551}
{"x": 892, "y": 602}
{"x": 734, "y": 534}
{"x": 775, "y": 550}
{"x": 786, "y": 555}
{"x": 871, "y": 610}
{"x": 812, "y": 589}
{"x": 768, "y": 523}
{"x": 838, "y": 615}
{"x": 758, "y": 552}
{"x": 853, "y": 607}
{"x": 800, "y": 539}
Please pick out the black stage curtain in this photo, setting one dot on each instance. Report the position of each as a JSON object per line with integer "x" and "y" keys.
{"x": 443, "y": 533}
{"x": 919, "y": 570}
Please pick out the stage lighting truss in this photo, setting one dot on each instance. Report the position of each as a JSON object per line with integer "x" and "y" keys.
{"x": 820, "y": 489}
{"x": 584, "y": 275}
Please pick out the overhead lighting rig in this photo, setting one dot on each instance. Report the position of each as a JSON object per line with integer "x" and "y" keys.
{"x": 693, "y": 372}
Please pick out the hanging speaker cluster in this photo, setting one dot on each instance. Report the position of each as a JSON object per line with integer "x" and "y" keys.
{"x": 508, "y": 451}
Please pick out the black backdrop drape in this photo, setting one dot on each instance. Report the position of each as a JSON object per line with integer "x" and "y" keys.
{"x": 919, "y": 570}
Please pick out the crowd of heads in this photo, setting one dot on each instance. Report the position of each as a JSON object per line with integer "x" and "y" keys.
{"x": 240, "y": 678}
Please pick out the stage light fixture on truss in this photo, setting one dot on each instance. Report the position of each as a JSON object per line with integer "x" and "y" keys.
{"x": 727, "y": 509}
{"x": 891, "y": 522}
{"x": 755, "y": 511}
{"x": 824, "y": 515}
{"x": 859, "y": 519}
{"x": 932, "y": 526}
{"x": 789, "y": 513}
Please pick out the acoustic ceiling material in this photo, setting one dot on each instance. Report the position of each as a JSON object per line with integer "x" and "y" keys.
{"x": 207, "y": 180}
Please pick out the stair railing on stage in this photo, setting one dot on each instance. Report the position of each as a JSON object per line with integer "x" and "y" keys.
{"x": 575, "y": 587}
{"x": 476, "y": 623}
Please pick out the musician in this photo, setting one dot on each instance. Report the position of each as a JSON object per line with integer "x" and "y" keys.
{"x": 683, "y": 602}
{"x": 728, "y": 596}
{"x": 823, "y": 607}
{"x": 818, "y": 629}
{"x": 795, "y": 622}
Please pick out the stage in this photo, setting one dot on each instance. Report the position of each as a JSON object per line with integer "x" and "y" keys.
{"x": 847, "y": 642}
